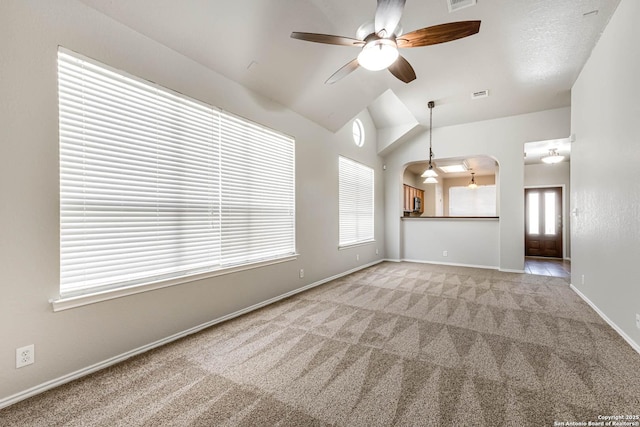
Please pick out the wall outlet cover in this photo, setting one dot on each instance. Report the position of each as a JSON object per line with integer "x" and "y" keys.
{"x": 25, "y": 356}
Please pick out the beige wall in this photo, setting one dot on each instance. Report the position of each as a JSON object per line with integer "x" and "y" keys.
{"x": 410, "y": 178}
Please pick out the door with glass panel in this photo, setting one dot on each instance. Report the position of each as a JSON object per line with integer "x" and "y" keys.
{"x": 543, "y": 222}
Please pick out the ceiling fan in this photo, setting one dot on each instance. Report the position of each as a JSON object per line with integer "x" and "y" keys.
{"x": 380, "y": 47}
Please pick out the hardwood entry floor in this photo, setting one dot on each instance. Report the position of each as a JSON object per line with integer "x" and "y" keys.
{"x": 547, "y": 267}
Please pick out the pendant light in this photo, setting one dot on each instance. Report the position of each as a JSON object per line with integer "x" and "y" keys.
{"x": 473, "y": 184}
{"x": 430, "y": 173}
{"x": 553, "y": 157}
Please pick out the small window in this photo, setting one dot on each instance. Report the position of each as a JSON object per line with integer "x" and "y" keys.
{"x": 356, "y": 202}
{"x": 358, "y": 133}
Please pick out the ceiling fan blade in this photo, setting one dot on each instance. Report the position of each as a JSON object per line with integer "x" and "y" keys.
{"x": 344, "y": 71}
{"x": 327, "y": 39}
{"x": 402, "y": 70}
{"x": 439, "y": 34}
{"x": 388, "y": 14}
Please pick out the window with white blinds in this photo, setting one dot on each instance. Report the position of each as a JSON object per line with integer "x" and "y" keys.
{"x": 465, "y": 201}
{"x": 257, "y": 197}
{"x": 154, "y": 185}
{"x": 356, "y": 203}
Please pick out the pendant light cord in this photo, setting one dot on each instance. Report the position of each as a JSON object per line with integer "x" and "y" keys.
{"x": 431, "y": 104}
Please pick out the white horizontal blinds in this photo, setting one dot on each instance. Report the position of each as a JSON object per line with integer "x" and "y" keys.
{"x": 356, "y": 203}
{"x": 139, "y": 180}
{"x": 258, "y": 192}
{"x": 465, "y": 201}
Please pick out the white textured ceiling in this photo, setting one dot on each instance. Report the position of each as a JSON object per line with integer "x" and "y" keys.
{"x": 528, "y": 53}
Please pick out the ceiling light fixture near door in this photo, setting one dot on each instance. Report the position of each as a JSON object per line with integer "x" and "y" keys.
{"x": 473, "y": 184}
{"x": 430, "y": 173}
{"x": 553, "y": 157}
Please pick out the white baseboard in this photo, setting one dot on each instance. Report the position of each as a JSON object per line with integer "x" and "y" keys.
{"x": 615, "y": 327}
{"x": 454, "y": 264}
{"x": 8, "y": 401}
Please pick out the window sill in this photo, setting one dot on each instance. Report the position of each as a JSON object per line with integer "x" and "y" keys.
{"x": 65, "y": 303}
{"x": 353, "y": 245}
{"x": 484, "y": 218}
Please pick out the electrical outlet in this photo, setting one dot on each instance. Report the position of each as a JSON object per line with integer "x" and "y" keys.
{"x": 445, "y": 253}
{"x": 301, "y": 273}
{"x": 637, "y": 320}
{"x": 377, "y": 251}
{"x": 25, "y": 356}
{"x": 582, "y": 279}
{"x": 357, "y": 257}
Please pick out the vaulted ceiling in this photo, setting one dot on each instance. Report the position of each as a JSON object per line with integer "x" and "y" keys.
{"x": 527, "y": 53}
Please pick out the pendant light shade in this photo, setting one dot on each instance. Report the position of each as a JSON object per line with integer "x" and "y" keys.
{"x": 430, "y": 172}
{"x": 431, "y": 180}
{"x": 473, "y": 184}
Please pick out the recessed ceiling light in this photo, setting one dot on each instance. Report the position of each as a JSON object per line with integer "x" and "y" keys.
{"x": 459, "y": 4}
{"x": 458, "y": 167}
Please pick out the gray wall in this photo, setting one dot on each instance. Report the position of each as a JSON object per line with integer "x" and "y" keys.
{"x": 502, "y": 139}
{"x": 74, "y": 339}
{"x": 557, "y": 175}
{"x": 467, "y": 242}
{"x": 604, "y": 172}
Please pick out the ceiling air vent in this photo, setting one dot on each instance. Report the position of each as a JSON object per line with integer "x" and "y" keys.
{"x": 459, "y": 4}
{"x": 480, "y": 94}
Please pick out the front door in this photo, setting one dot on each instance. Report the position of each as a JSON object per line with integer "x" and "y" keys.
{"x": 543, "y": 222}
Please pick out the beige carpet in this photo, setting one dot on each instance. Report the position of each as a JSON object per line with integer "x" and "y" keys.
{"x": 395, "y": 344}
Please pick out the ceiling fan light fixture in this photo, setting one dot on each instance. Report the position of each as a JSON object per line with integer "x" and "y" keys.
{"x": 553, "y": 157}
{"x": 378, "y": 54}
